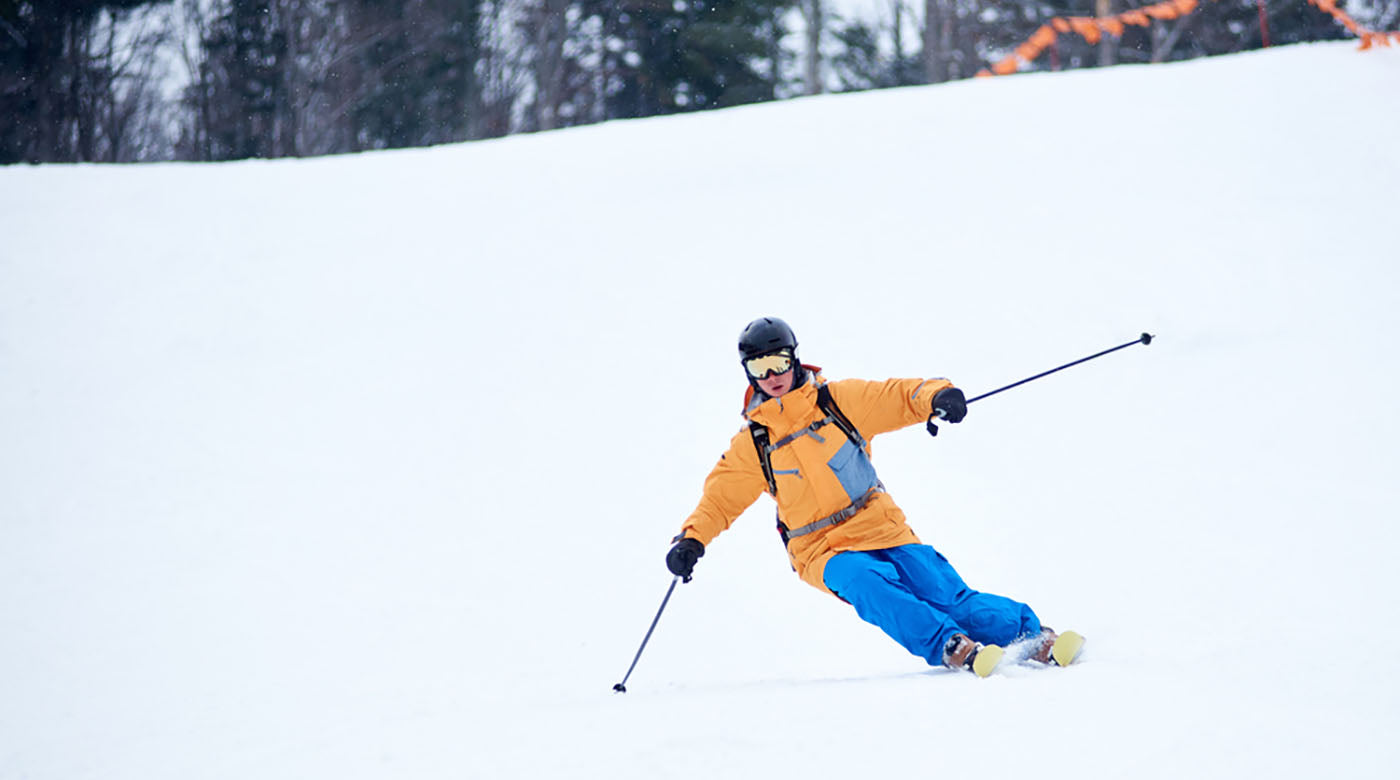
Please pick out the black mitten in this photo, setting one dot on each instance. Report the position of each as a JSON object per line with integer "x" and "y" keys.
{"x": 950, "y": 404}
{"x": 682, "y": 557}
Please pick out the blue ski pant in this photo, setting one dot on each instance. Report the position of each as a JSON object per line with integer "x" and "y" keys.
{"x": 914, "y": 595}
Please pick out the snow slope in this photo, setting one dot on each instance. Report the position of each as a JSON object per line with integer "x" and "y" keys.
{"x": 365, "y": 467}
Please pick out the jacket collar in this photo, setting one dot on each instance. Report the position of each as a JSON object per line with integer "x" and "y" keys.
{"x": 789, "y": 412}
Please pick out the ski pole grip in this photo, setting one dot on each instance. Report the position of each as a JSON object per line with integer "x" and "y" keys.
{"x": 940, "y": 414}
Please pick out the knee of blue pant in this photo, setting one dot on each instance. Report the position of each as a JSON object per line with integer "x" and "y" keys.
{"x": 849, "y": 574}
{"x": 929, "y": 574}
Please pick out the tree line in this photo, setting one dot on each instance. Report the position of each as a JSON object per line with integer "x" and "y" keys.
{"x": 137, "y": 80}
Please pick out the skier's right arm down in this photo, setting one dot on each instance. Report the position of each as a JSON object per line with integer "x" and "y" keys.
{"x": 733, "y": 485}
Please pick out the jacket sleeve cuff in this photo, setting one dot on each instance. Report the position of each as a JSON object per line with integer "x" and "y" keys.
{"x": 929, "y": 389}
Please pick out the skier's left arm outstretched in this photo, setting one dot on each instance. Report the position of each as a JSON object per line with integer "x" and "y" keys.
{"x": 880, "y": 407}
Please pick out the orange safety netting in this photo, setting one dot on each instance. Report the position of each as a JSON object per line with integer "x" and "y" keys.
{"x": 1368, "y": 38}
{"x": 1092, "y": 29}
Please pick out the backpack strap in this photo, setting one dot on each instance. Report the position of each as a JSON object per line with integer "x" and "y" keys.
{"x": 834, "y": 415}
{"x": 760, "y": 443}
{"x": 828, "y": 404}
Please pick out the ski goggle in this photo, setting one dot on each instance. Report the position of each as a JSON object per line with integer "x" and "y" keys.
{"x": 764, "y": 366}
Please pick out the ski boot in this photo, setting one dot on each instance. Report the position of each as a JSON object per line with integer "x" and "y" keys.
{"x": 1058, "y": 649}
{"x": 962, "y": 653}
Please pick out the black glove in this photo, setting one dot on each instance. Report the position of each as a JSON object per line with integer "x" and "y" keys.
{"x": 682, "y": 557}
{"x": 950, "y": 404}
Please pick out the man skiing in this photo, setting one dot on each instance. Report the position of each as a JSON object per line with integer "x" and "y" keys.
{"x": 807, "y": 445}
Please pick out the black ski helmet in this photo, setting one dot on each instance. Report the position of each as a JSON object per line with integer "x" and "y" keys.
{"x": 763, "y": 336}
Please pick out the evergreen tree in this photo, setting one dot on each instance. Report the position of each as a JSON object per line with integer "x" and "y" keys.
{"x": 241, "y": 89}
{"x": 662, "y": 57}
{"x": 861, "y": 64}
{"x": 722, "y": 48}
{"x": 417, "y": 63}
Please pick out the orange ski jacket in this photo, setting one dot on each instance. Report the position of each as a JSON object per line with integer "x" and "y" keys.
{"x": 818, "y": 471}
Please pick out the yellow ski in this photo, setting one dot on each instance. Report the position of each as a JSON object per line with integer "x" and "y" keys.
{"x": 986, "y": 660}
{"x": 1066, "y": 648}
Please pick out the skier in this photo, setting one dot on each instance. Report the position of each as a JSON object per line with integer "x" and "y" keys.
{"x": 807, "y": 445}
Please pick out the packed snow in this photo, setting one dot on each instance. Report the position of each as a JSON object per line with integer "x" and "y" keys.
{"x": 365, "y": 467}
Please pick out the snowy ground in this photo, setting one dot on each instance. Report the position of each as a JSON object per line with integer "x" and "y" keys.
{"x": 365, "y": 467}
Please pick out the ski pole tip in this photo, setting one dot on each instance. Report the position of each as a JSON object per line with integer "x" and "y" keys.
{"x": 1146, "y": 338}
{"x": 620, "y": 688}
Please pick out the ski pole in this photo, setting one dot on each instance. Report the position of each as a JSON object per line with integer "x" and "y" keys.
{"x": 1145, "y": 338}
{"x": 622, "y": 686}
